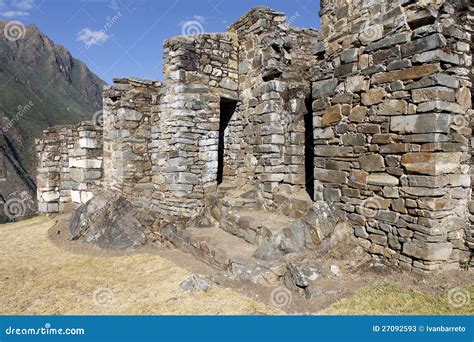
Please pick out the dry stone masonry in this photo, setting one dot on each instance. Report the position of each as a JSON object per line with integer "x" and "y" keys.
{"x": 270, "y": 140}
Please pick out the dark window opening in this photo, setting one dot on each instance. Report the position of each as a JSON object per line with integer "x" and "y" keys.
{"x": 309, "y": 148}
{"x": 227, "y": 109}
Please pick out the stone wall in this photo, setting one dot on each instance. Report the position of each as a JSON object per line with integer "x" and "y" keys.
{"x": 371, "y": 114}
{"x": 200, "y": 72}
{"x": 53, "y": 176}
{"x": 274, "y": 87}
{"x": 129, "y": 108}
{"x": 85, "y": 162}
{"x": 392, "y": 103}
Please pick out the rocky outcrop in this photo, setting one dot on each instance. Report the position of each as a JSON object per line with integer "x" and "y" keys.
{"x": 320, "y": 229}
{"x": 108, "y": 221}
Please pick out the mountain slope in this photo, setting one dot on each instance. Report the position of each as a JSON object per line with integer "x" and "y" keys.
{"x": 41, "y": 85}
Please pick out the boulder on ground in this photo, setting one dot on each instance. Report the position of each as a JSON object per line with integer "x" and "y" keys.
{"x": 194, "y": 283}
{"x": 109, "y": 221}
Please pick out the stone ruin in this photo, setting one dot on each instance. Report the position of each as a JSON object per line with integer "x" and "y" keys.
{"x": 268, "y": 142}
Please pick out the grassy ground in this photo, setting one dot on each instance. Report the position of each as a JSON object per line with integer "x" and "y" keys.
{"x": 391, "y": 299}
{"x": 36, "y": 277}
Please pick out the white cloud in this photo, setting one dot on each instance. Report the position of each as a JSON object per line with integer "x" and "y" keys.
{"x": 23, "y": 5}
{"x": 14, "y": 14}
{"x": 90, "y": 37}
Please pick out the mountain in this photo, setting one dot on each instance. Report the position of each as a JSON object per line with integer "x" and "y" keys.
{"x": 41, "y": 85}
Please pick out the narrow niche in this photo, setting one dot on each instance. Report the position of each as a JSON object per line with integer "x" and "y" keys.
{"x": 309, "y": 148}
{"x": 227, "y": 109}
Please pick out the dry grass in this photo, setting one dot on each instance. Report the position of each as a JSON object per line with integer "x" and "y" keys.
{"x": 36, "y": 277}
{"x": 390, "y": 299}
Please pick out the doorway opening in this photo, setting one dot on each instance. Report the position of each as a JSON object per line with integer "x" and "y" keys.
{"x": 309, "y": 148}
{"x": 227, "y": 109}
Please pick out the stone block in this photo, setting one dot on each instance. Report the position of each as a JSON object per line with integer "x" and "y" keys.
{"x": 332, "y": 115}
{"x": 382, "y": 179}
{"x": 330, "y": 176}
{"x": 407, "y": 74}
{"x": 428, "y": 251}
{"x": 423, "y": 44}
{"x": 421, "y": 123}
{"x": 373, "y": 96}
{"x": 356, "y": 84}
{"x": 392, "y": 107}
{"x": 372, "y": 163}
{"x": 433, "y": 93}
{"x": 129, "y": 114}
{"x": 324, "y": 88}
{"x": 432, "y": 163}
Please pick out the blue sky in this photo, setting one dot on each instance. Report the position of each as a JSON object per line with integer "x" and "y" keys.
{"x": 119, "y": 38}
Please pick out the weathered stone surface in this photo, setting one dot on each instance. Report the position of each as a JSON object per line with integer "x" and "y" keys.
{"x": 109, "y": 222}
{"x": 373, "y": 96}
{"x": 194, "y": 283}
{"x": 423, "y": 44}
{"x": 392, "y": 107}
{"x": 382, "y": 179}
{"x": 431, "y": 163}
{"x": 428, "y": 251}
{"x": 433, "y": 93}
{"x": 372, "y": 163}
{"x": 300, "y": 276}
{"x": 331, "y": 115}
{"x": 324, "y": 88}
{"x": 411, "y": 73}
{"x": 420, "y": 123}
